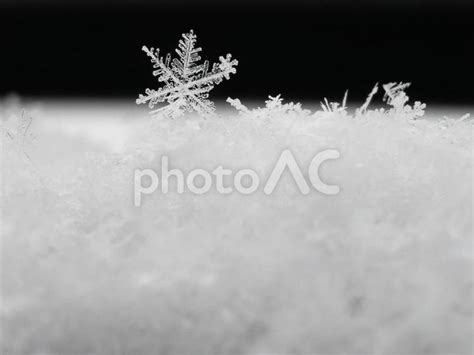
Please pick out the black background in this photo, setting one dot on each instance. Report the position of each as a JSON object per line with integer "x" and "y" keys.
{"x": 303, "y": 50}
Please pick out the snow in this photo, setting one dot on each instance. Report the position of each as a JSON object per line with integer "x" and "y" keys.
{"x": 187, "y": 84}
{"x": 384, "y": 267}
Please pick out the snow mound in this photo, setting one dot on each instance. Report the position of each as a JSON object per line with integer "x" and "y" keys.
{"x": 383, "y": 267}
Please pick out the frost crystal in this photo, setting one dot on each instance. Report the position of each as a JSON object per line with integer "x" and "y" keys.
{"x": 396, "y": 97}
{"x": 335, "y": 107}
{"x": 237, "y": 104}
{"x": 186, "y": 83}
{"x": 274, "y": 105}
{"x": 363, "y": 109}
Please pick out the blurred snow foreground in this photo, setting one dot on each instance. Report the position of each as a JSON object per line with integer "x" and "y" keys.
{"x": 385, "y": 267}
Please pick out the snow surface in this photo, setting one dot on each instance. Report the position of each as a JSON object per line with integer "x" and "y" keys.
{"x": 385, "y": 267}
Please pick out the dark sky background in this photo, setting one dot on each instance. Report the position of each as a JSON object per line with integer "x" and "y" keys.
{"x": 312, "y": 3}
{"x": 302, "y": 49}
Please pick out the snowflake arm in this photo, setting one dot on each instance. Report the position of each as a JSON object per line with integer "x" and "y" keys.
{"x": 188, "y": 56}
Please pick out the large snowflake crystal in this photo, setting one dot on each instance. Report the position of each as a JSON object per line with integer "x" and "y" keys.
{"x": 186, "y": 83}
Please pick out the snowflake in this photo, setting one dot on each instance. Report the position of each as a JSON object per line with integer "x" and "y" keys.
{"x": 396, "y": 97}
{"x": 186, "y": 83}
{"x": 274, "y": 105}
